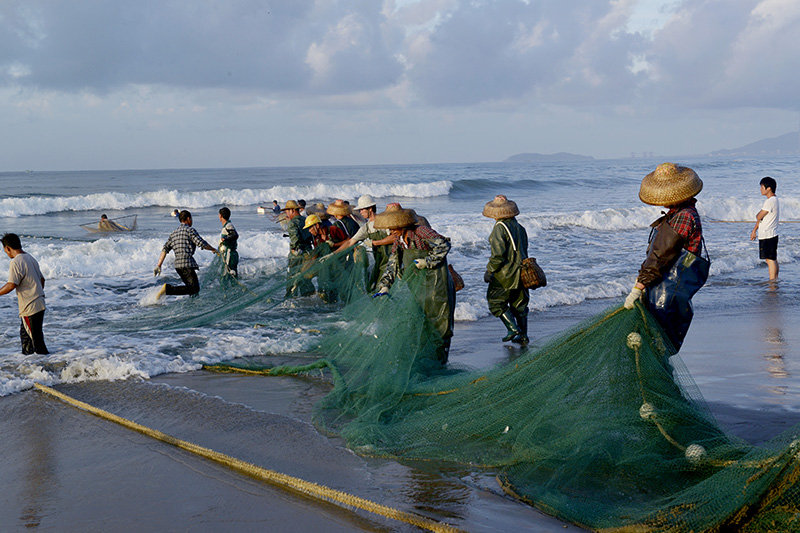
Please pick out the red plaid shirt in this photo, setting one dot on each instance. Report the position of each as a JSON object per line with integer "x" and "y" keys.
{"x": 685, "y": 220}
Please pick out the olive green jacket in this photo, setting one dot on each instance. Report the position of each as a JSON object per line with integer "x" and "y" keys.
{"x": 509, "y": 248}
{"x": 299, "y": 241}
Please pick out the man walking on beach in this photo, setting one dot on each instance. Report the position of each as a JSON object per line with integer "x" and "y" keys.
{"x": 766, "y": 228}
{"x": 24, "y": 276}
{"x": 183, "y": 241}
{"x": 507, "y": 297}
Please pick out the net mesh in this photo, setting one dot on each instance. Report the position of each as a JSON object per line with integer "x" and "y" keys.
{"x": 597, "y": 427}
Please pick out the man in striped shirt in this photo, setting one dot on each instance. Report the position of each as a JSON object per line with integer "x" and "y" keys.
{"x": 183, "y": 241}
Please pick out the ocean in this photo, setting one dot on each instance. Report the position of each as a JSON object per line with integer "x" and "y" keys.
{"x": 585, "y": 224}
{"x": 586, "y": 228}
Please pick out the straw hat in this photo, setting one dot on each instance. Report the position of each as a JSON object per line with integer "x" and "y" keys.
{"x": 395, "y": 217}
{"x": 365, "y": 202}
{"x": 499, "y": 208}
{"x": 290, "y": 204}
{"x": 339, "y": 208}
{"x": 670, "y": 184}
{"x": 311, "y": 220}
{"x": 319, "y": 210}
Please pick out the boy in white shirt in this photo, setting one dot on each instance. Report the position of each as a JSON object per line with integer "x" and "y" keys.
{"x": 766, "y": 228}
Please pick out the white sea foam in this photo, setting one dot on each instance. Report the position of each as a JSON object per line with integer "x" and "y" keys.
{"x": 39, "y": 205}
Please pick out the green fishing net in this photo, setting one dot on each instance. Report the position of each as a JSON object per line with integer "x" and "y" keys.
{"x": 599, "y": 427}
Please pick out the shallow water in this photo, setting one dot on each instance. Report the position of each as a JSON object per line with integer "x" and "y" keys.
{"x": 586, "y": 228}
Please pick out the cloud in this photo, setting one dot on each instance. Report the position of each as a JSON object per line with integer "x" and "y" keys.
{"x": 423, "y": 53}
{"x": 101, "y": 46}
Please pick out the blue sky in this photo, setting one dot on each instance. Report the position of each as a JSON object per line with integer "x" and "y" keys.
{"x": 176, "y": 83}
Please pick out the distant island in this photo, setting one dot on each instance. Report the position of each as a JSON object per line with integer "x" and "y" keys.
{"x": 547, "y": 158}
{"x": 787, "y": 144}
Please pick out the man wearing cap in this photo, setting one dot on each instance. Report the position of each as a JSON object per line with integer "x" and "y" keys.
{"x": 299, "y": 246}
{"x": 376, "y": 239}
{"x": 674, "y": 269}
{"x": 423, "y": 250}
{"x": 341, "y": 212}
{"x": 329, "y": 273}
{"x": 507, "y": 298}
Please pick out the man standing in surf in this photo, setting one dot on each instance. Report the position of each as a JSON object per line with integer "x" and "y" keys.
{"x": 766, "y": 229}
{"x": 24, "y": 276}
{"x": 674, "y": 269}
{"x": 183, "y": 241}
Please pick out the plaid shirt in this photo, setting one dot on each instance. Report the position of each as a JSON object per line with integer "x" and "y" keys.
{"x": 686, "y": 222}
{"x": 183, "y": 241}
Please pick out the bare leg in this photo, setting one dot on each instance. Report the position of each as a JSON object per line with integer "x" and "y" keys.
{"x": 772, "y": 264}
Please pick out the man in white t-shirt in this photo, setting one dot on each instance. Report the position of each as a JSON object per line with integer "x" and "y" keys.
{"x": 24, "y": 276}
{"x": 766, "y": 228}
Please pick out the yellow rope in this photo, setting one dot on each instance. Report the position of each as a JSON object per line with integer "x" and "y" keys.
{"x": 307, "y": 488}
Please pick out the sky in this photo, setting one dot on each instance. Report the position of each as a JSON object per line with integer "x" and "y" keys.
{"x": 118, "y": 84}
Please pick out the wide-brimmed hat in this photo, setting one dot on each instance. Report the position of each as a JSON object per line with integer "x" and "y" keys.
{"x": 395, "y": 217}
{"x": 311, "y": 220}
{"x": 319, "y": 210}
{"x": 339, "y": 208}
{"x": 670, "y": 184}
{"x": 500, "y": 208}
{"x": 365, "y": 202}
{"x": 290, "y": 204}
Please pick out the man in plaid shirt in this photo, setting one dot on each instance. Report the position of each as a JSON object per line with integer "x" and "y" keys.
{"x": 183, "y": 241}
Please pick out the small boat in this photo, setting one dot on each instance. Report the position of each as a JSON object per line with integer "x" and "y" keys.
{"x": 112, "y": 225}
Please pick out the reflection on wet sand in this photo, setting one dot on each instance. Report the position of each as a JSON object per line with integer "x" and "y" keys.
{"x": 436, "y": 493}
{"x": 38, "y": 477}
{"x": 775, "y": 344}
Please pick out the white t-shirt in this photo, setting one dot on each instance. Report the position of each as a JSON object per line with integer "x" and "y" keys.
{"x": 768, "y": 227}
{"x": 25, "y": 274}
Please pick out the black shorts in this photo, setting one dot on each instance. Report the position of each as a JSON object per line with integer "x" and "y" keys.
{"x": 768, "y": 248}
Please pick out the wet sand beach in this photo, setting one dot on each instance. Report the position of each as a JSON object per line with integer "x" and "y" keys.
{"x": 65, "y": 470}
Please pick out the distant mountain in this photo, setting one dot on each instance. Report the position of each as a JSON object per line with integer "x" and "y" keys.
{"x": 547, "y": 158}
{"x": 788, "y": 144}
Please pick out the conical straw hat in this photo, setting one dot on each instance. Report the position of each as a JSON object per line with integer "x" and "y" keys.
{"x": 339, "y": 208}
{"x": 500, "y": 208}
{"x": 291, "y": 204}
{"x": 670, "y": 184}
{"x": 395, "y": 217}
{"x": 319, "y": 210}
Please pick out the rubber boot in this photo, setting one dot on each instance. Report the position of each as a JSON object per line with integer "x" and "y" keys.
{"x": 522, "y": 322}
{"x": 508, "y": 321}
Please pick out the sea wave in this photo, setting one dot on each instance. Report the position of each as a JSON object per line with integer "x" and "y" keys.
{"x": 40, "y": 205}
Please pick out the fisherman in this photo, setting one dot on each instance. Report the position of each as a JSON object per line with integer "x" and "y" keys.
{"x": 422, "y": 249}
{"x": 341, "y": 213}
{"x": 25, "y": 276}
{"x": 228, "y": 239}
{"x": 108, "y": 225}
{"x": 376, "y": 239}
{"x": 183, "y": 241}
{"x": 321, "y": 211}
{"x": 321, "y": 234}
{"x": 508, "y": 299}
{"x": 674, "y": 269}
{"x": 276, "y": 209}
{"x": 299, "y": 246}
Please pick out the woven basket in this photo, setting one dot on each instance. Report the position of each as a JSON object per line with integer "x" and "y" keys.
{"x": 458, "y": 281}
{"x": 531, "y": 274}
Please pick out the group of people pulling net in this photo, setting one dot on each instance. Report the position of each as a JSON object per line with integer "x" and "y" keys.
{"x": 600, "y": 426}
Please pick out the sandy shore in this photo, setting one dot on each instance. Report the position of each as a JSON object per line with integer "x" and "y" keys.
{"x": 65, "y": 470}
